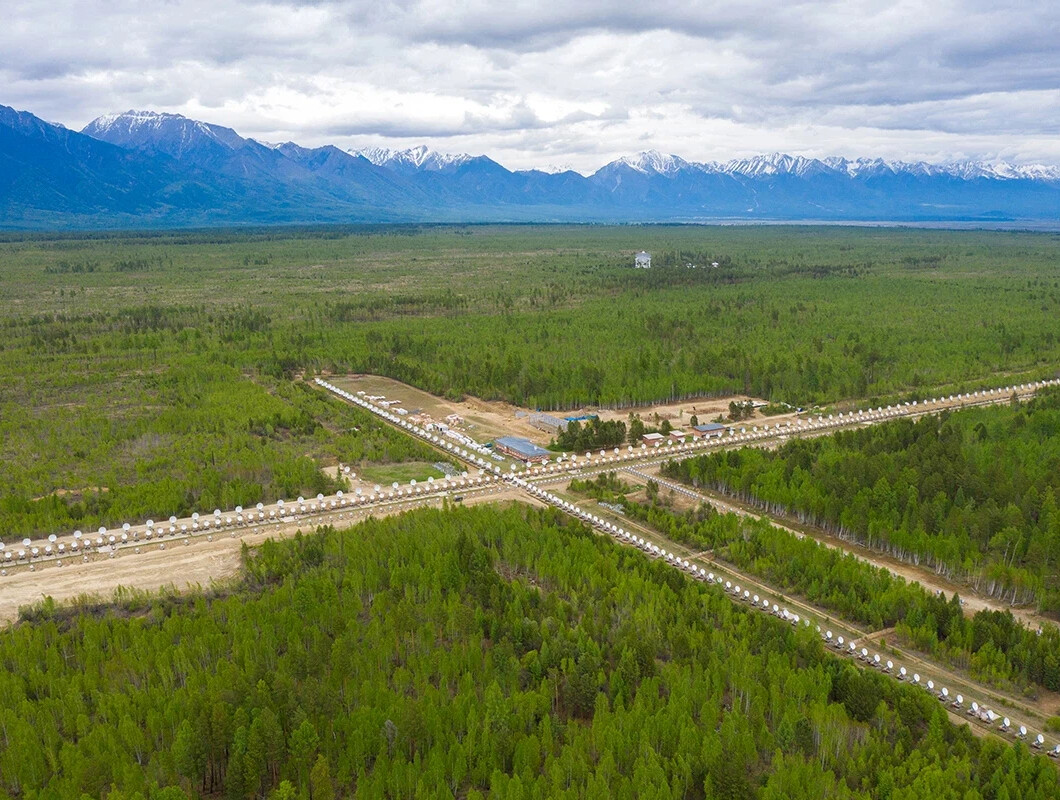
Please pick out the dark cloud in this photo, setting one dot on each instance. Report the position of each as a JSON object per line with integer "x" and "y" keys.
{"x": 572, "y": 82}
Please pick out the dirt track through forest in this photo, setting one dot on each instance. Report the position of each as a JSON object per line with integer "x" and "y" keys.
{"x": 927, "y": 578}
{"x": 198, "y": 563}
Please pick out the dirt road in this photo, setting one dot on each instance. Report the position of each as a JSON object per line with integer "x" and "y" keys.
{"x": 187, "y": 562}
{"x": 927, "y": 578}
{"x": 1020, "y": 710}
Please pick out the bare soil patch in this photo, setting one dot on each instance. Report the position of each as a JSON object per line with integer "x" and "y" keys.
{"x": 485, "y": 420}
{"x": 182, "y": 566}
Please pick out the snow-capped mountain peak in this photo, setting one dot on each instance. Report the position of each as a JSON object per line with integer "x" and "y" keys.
{"x": 174, "y": 133}
{"x": 1034, "y": 172}
{"x": 766, "y": 166}
{"x": 769, "y": 166}
{"x": 133, "y": 119}
{"x": 775, "y": 164}
{"x": 652, "y": 161}
{"x": 413, "y": 159}
{"x": 556, "y": 169}
{"x": 377, "y": 155}
{"x": 183, "y": 171}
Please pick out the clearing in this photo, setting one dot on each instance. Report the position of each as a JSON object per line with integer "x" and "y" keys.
{"x": 401, "y": 473}
{"x": 485, "y": 420}
{"x": 189, "y": 563}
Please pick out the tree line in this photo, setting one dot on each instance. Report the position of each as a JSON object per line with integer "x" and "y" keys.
{"x": 594, "y": 433}
{"x": 972, "y": 494}
{"x": 993, "y": 646}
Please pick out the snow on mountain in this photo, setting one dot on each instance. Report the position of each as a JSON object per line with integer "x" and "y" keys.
{"x": 763, "y": 166}
{"x": 970, "y": 170}
{"x": 196, "y": 168}
{"x": 173, "y": 133}
{"x": 654, "y": 162}
{"x": 377, "y": 155}
{"x": 413, "y": 159}
{"x": 127, "y": 119}
{"x": 774, "y": 164}
{"x": 1033, "y": 172}
{"x": 176, "y": 134}
{"x": 556, "y": 169}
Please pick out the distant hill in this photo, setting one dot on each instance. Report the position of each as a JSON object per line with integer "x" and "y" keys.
{"x": 145, "y": 169}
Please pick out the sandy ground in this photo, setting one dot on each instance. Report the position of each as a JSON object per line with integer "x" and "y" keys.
{"x": 187, "y": 566}
{"x": 183, "y": 567}
{"x": 487, "y": 419}
{"x": 679, "y": 414}
{"x": 483, "y": 420}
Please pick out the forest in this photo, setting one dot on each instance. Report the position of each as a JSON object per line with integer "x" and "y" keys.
{"x": 472, "y": 653}
{"x": 594, "y": 433}
{"x": 143, "y": 375}
{"x": 972, "y": 494}
{"x": 992, "y": 646}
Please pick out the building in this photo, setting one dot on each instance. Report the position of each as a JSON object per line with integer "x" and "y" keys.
{"x": 548, "y": 423}
{"x": 709, "y": 429}
{"x": 462, "y": 438}
{"x": 522, "y": 449}
{"x": 677, "y": 437}
{"x": 652, "y": 439}
{"x": 642, "y": 260}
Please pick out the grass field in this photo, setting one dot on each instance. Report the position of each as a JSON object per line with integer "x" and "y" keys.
{"x": 402, "y": 473}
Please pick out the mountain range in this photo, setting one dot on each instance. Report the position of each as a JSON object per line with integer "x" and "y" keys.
{"x": 146, "y": 169}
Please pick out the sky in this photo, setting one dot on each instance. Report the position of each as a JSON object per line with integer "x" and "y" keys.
{"x": 562, "y": 84}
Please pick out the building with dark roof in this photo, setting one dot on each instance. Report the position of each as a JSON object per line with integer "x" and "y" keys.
{"x": 709, "y": 429}
{"x": 522, "y": 449}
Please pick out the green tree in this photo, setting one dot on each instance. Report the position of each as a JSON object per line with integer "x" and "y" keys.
{"x": 636, "y": 429}
{"x": 320, "y": 785}
{"x": 285, "y": 791}
{"x": 302, "y": 748}
{"x": 188, "y": 753}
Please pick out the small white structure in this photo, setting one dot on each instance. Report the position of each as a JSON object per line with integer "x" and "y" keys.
{"x": 642, "y": 260}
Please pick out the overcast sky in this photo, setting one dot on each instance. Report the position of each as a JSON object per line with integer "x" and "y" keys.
{"x": 561, "y": 83}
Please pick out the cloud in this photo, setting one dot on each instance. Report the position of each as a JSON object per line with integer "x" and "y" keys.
{"x": 578, "y": 83}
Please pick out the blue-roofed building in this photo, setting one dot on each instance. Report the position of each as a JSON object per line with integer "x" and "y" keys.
{"x": 522, "y": 449}
{"x": 709, "y": 429}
